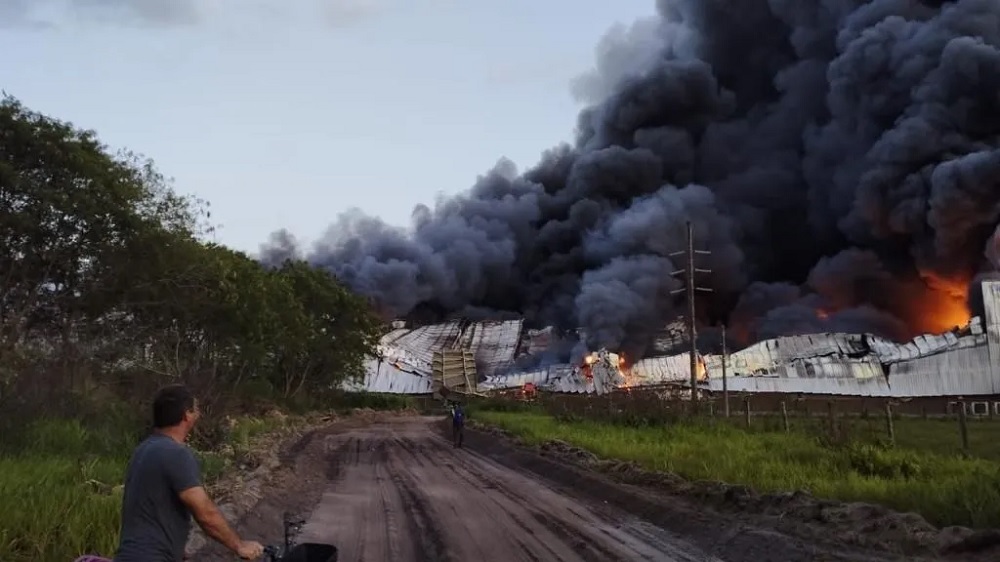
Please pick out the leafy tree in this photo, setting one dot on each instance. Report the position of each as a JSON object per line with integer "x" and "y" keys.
{"x": 104, "y": 279}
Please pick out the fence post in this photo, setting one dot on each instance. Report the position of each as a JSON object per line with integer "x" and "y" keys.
{"x": 963, "y": 427}
{"x": 746, "y": 410}
{"x": 784, "y": 416}
{"x": 725, "y": 385}
{"x": 888, "y": 423}
{"x": 831, "y": 418}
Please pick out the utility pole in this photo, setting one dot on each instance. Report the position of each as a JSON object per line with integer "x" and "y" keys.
{"x": 692, "y": 287}
{"x": 725, "y": 359}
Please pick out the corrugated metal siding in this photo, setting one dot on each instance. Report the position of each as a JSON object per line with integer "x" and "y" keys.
{"x": 384, "y": 377}
{"x": 538, "y": 377}
{"x": 841, "y": 386}
{"x": 409, "y": 352}
{"x": 658, "y": 370}
{"x": 955, "y": 372}
{"x": 847, "y": 364}
{"x": 538, "y": 341}
{"x": 494, "y": 344}
{"x": 991, "y": 302}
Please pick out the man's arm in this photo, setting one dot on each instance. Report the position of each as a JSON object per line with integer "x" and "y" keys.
{"x": 209, "y": 518}
{"x": 184, "y": 475}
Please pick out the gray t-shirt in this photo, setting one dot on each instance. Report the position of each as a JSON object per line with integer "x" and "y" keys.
{"x": 155, "y": 523}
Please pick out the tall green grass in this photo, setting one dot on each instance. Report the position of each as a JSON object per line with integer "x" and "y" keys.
{"x": 60, "y": 484}
{"x": 60, "y": 479}
{"x": 947, "y": 489}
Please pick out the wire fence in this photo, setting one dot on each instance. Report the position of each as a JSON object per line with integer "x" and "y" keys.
{"x": 943, "y": 425}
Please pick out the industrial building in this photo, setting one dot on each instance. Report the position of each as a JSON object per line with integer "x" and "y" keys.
{"x": 959, "y": 363}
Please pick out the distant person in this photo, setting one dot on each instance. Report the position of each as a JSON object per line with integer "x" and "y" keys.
{"x": 457, "y": 424}
{"x": 163, "y": 489}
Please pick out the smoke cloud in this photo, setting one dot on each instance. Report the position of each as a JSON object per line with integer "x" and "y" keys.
{"x": 838, "y": 158}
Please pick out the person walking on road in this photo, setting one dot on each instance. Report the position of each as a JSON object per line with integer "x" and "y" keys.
{"x": 457, "y": 423}
{"x": 163, "y": 489}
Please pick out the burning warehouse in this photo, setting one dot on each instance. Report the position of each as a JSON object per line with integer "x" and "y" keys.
{"x": 835, "y": 190}
{"x": 956, "y": 363}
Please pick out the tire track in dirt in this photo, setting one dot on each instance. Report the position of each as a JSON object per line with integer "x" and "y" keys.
{"x": 487, "y": 503}
{"x": 507, "y": 510}
{"x": 569, "y": 524}
{"x": 408, "y": 495}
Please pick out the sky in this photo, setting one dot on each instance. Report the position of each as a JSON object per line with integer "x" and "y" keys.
{"x": 285, "y": 113}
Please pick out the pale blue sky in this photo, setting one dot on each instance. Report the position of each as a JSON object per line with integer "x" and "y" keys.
{"x": 283, "y": 113}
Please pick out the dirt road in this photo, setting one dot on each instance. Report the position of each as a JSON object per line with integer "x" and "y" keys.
{"x": 389, "y": 487}
{"x": 403, "y": 493}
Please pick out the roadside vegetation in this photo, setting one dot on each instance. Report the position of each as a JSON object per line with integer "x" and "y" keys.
{"x": 922, "y": 472}
{"x": 109, "y": 290}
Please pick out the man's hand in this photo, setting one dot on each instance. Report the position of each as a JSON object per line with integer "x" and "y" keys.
{"x": 250, "y": 550}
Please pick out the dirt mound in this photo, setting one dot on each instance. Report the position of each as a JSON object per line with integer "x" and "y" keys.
{"x": 370, "y": 415}
{"x": 863, "y": 524}
{"x": 253, "y": 471}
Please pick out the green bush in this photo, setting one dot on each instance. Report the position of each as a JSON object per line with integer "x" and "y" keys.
{"x": 872, "y": 460}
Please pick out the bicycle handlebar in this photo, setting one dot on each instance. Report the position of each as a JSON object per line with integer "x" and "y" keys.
{"x": 274, "y": 552}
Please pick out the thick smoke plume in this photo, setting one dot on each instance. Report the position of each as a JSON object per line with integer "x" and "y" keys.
{"x": 839, "y": 158}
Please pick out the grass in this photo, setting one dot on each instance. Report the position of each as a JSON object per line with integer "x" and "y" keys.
{"x": 946, "y": 488}
{"x": 60, "y": 483}
{"x": 60, "y": 479}
{"x": 933, "y": 435}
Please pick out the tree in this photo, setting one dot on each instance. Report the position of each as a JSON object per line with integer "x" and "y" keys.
{"x": 330, "y": 334}
{"x": 104, "y": 279}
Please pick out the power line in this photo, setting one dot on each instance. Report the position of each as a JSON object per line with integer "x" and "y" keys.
{"x": 690, "y": 273}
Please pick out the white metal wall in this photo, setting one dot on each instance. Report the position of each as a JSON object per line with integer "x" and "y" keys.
{"x": 844, "y": 364}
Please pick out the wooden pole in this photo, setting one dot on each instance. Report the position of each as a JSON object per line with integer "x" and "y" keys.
{"x": 692, "y": 328}
{"x": 690, "y": 276}
{"x": 784, "y": 416}
{"x": 725, "y": 383}
{"x": 963, "y": 427}
{"x": 888, "y": 423}
{"x": 746, "y": 410}
{"x": 831, "y": 418}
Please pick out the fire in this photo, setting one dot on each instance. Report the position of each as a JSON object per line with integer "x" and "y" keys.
{"x": 941, "y": 305}
{"x": 626, "y": 372}
{"x": 822, "y": 314}
{"x": 611, "y": 366}
{"x": 702, "y": 371}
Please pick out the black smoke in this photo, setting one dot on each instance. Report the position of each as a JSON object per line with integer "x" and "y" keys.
{"x": 827, "y": 152}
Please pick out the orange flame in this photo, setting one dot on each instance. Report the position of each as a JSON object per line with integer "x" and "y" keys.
{"x": 702, "y": 370}
{"x": 941, "y": 305}
{"x": 822, "y": 314}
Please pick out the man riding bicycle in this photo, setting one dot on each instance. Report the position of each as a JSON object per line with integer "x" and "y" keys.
{"x": 163, "y": 489}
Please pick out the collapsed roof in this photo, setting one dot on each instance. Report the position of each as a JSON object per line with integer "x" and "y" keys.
{"x": 950, "y": 364}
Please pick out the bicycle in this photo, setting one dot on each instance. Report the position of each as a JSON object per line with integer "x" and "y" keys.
{"x": 302, "y": 552}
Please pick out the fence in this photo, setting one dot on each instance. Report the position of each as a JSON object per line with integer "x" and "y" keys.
{"x": 953, "y": 425}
